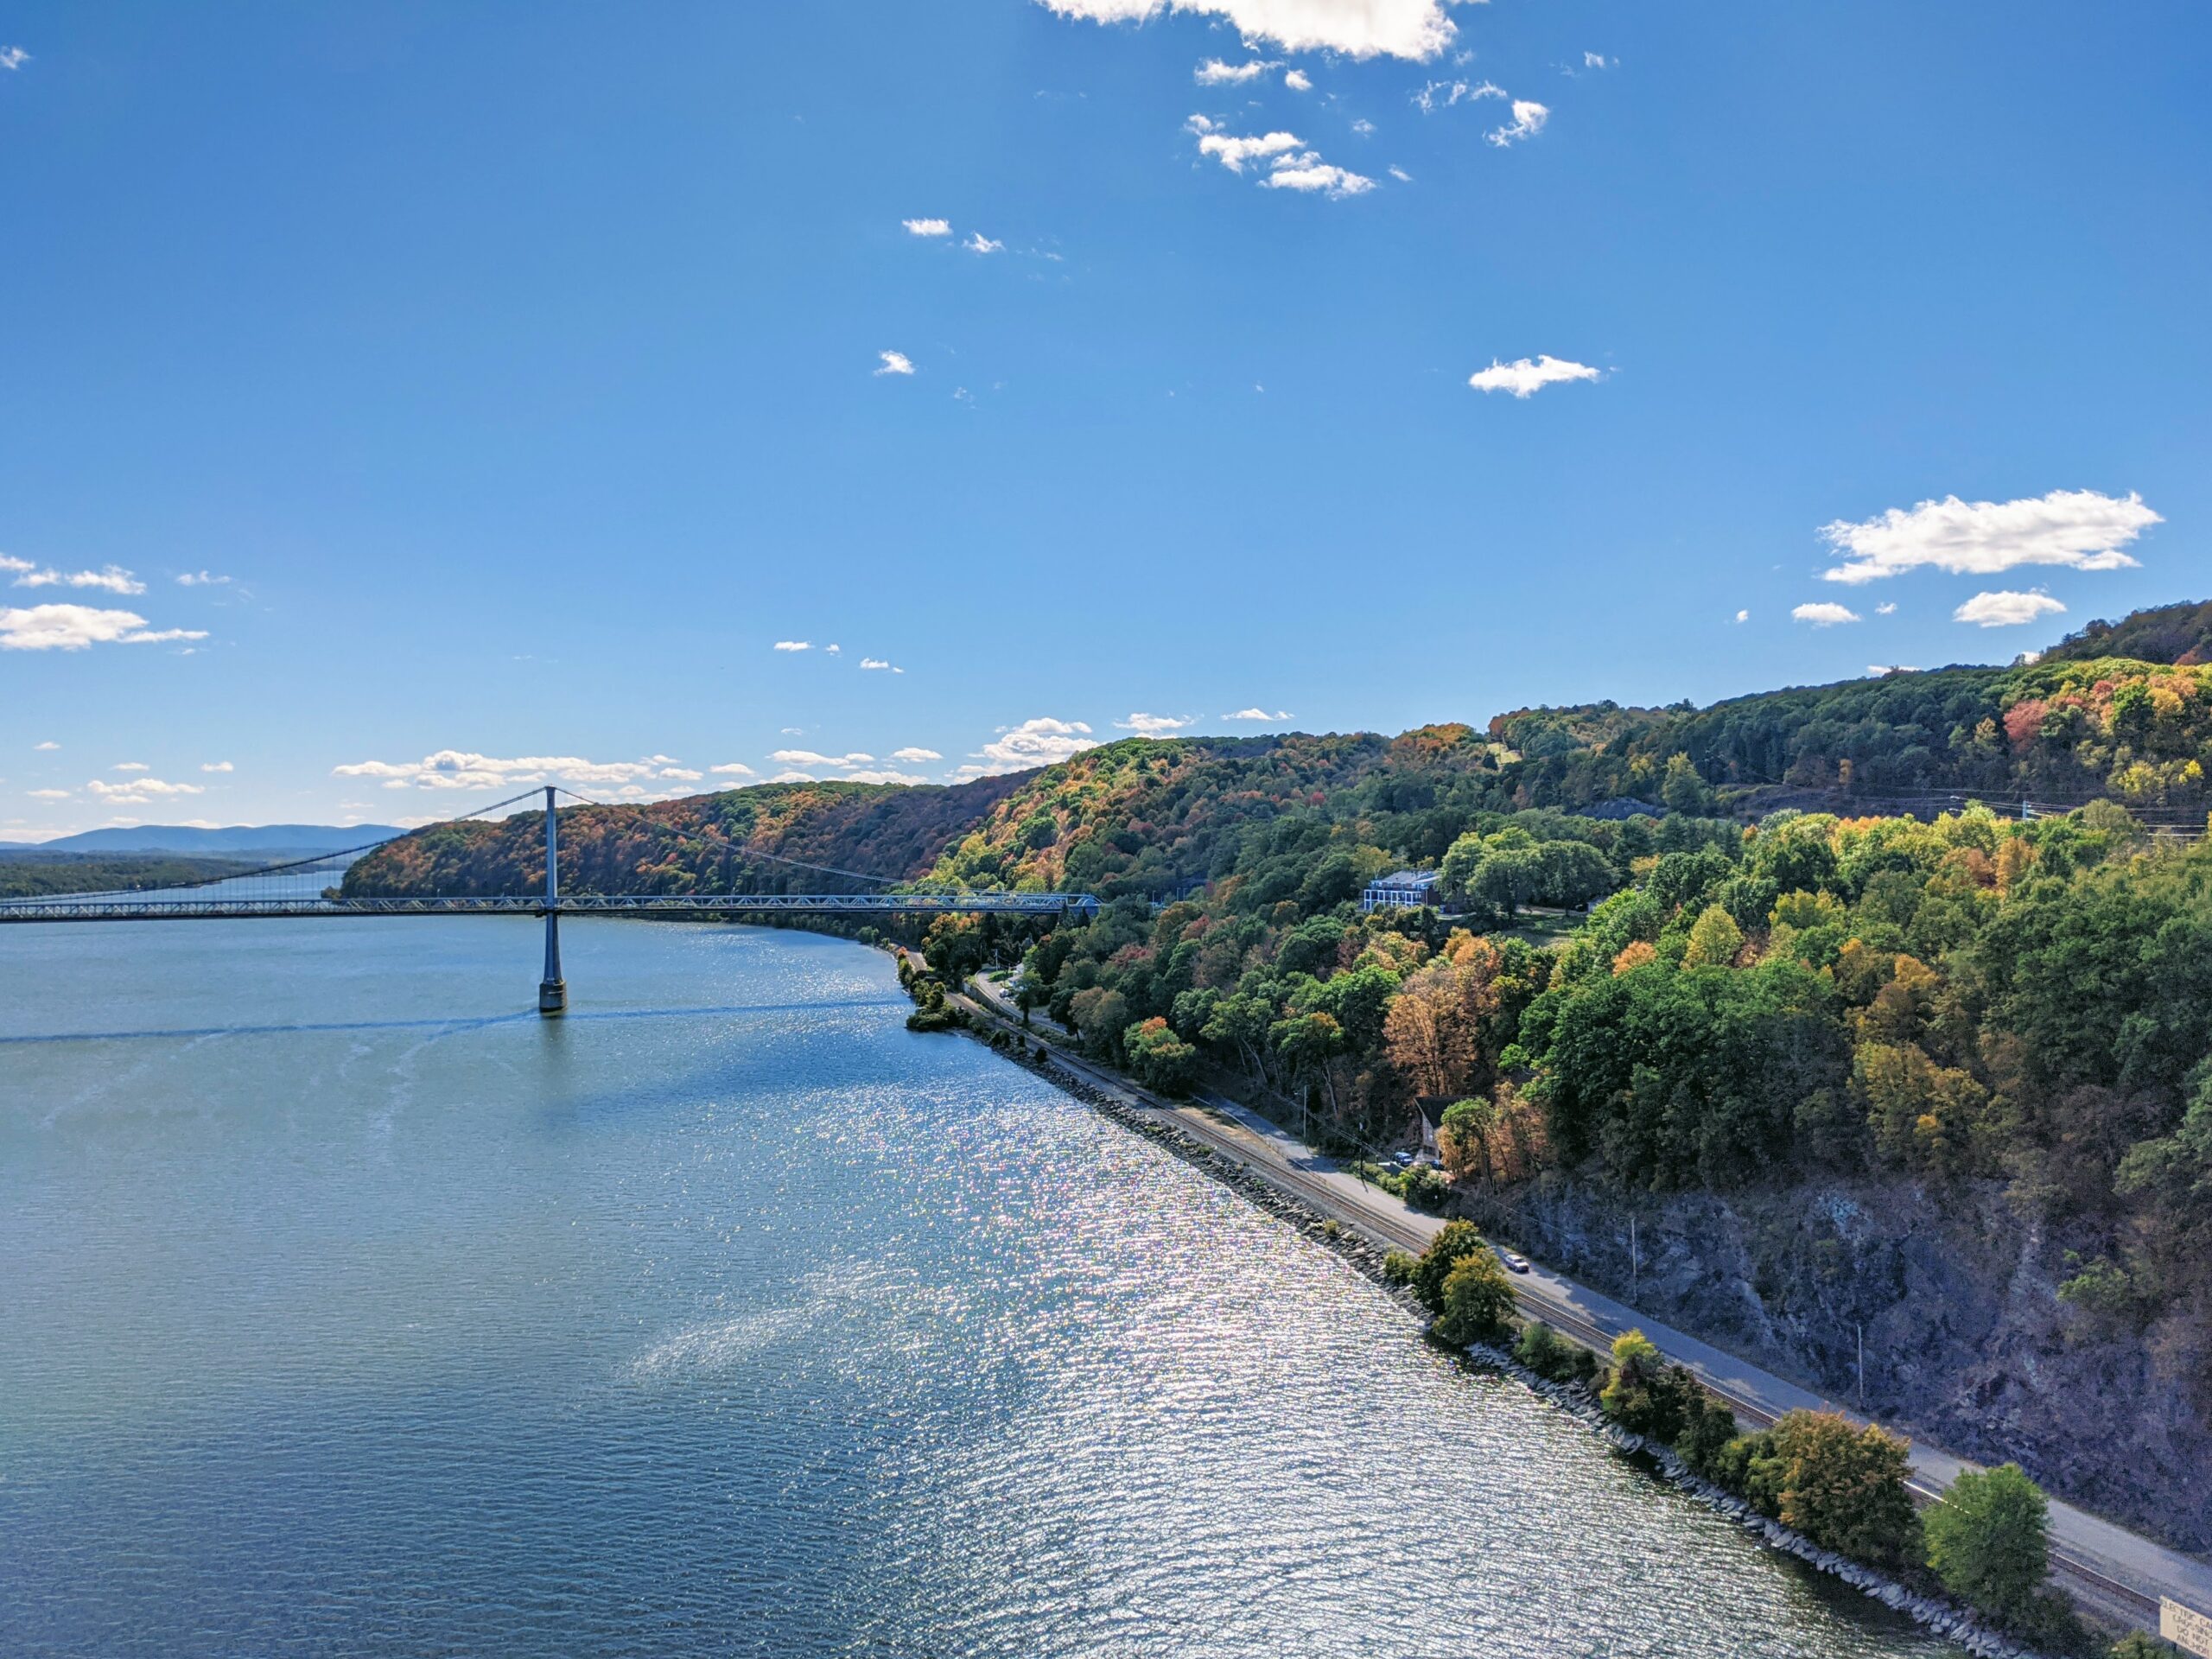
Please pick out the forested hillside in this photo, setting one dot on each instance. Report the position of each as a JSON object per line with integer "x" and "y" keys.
{"x": 1646, "y": 985}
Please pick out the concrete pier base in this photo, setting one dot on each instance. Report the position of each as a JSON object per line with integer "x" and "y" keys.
{"x": 552, "y": 996}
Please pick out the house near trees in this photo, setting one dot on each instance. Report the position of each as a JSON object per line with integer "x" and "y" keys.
{"x": 1401, "y": 890}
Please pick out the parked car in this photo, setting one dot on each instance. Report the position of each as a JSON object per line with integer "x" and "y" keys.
{"x": 1402, "y": 1160}
{"x": 1514, "y": 1260}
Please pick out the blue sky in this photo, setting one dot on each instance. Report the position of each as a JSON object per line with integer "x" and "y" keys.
{"x": 515, "y": 374}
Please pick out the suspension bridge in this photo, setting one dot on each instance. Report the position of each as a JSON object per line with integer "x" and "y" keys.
{"x": 293, "y": 889}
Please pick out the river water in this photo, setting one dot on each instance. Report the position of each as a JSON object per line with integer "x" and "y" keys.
{"x": 347, "y": 1308}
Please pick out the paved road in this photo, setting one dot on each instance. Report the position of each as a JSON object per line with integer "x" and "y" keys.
{"x": 2117, "y": 1570}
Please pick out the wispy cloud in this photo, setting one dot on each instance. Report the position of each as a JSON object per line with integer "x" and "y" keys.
{"x": 202, "y": 579}
{"x": 895, "y": 363}
{"x": 1528, "y": 119}
{"x": 139, "y": 792}
{"x": 217, "y": 766}
{"x": 915, "y": 756}
{"x": 1256, "y": 712}
{"x": 1598, "y": 61}
{"x": 1233, "y": 152}
{"x": 13, "y": 57}
{"x": 1526, "y": 377}
{"x": 1298, "y": 81}
{"x": 1742, "y": 616}
{"x": 732, "y": 769}
{"x": 1214, "y": 73}
{"x": 1310, "y": 173}
{"x": 1415, "y": 29}
{"x": 1443, "y": 95}
{"x": 881, "y": 664}
{"x": 49, "y": 745}
{"x": 112, "y": 579}
{"x": 927, "y": 226}
{"x": 2081, "y": 530}
{"x": 2006, "y": 609}
{"x": 131, "y": 766}
{"x": 1823, "y": 615}
{"x": 74, "y": 627}
{"x": 1293, "y": 167}
{"x": 978, "y": 243}
{"x": 464, "y": 769}
{"x": 793, "y": 644}
{"x": 48, "y": 794}
{"x": 809, "y": 758}
{"x": 1155, "y": 724}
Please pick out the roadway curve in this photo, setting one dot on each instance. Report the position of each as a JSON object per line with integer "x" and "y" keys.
{"x": 2115, "y": 1572}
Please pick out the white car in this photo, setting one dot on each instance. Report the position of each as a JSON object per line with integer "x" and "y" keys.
{"x": 1514, "y": 1260}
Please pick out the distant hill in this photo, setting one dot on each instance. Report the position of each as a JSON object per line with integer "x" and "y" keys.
{"x": 238, "y": 838}
{"x": 2179, "y": 634}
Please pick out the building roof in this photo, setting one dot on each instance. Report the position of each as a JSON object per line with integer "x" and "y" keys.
{"x": 1407, "y": 879}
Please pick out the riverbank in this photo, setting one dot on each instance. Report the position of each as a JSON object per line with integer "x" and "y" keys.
{"x": 1366, "y": 1257}
{"x": 2112, "y": 1575}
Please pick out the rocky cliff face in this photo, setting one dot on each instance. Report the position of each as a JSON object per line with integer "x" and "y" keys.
{"x": 1967, "y": 1342}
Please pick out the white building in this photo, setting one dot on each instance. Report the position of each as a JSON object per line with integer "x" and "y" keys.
{"x": 1402, "y": 890}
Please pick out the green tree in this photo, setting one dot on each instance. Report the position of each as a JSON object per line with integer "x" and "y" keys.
{"x": 1158, "y": 1057}
{"x": 1840, "y": 1486}
{"x": 1456, "y": 1240}
{"x": 1989, "y": 1538}
{"x": 1714, "y": 940}
{"x": 1478, "y": 1299}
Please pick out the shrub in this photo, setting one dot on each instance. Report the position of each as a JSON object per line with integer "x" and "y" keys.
{"x": 1478, "y": 1300}
{"x": 1458, "y": 1238}
{"x": 1842, "y": 1486}
{"x": 1989, "y": 1538}
{"x": 1158, "y": 1057}
{"x": 1425, "y": 1187}
{"x": 1398, "y": 1267}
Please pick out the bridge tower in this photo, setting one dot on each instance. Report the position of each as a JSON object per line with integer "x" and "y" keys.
{"x": 552, "y": 990}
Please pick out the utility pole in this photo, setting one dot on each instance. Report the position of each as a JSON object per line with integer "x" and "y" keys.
{"x": 1861, "y": 1326}
{"x": 552, "y": 990}
{"x": 1634, "y": 1265}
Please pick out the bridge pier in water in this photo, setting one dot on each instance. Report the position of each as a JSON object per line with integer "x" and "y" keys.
{"x": 552, "y": 989}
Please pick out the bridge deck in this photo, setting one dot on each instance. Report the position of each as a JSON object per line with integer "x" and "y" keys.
{"x": 123, "y": 907}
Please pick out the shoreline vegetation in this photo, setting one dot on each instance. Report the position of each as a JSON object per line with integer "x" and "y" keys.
{"x": 1825, "y": 1491}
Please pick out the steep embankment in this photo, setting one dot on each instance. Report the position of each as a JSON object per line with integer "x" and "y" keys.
{"x": 1967, "y": 1340}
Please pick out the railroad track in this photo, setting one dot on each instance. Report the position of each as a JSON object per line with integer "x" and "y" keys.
{"x": 1397, "y": 1234}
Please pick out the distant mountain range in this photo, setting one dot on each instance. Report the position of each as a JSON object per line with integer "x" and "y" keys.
{"x": 238, "y": 838}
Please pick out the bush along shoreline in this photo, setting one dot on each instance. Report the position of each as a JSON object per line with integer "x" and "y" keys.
{"x": 1817, "y": 1464}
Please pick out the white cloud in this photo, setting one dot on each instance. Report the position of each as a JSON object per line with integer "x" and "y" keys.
{"x": 1443, "y": 95}
{"x": 1528, "y": 119}
{"x": 1877, "y": 670}
{"x": 201, "y": 579}
{"x": 1298, "y": 81}
{"x": 46, "y": 746}
{"x": 914, "y": 756}
{"x": 2080, "y": 529}
{"x": 732, "y": 769}
{"x": 1233, "y": 153}
{"x": 74, "y": 627}
{"x": 1887, "y": 608}
{"x": 809, "y": 758}
{"x": 1525, "y": 379}
{"x": 217, "y": 766}
{"x": 883, "y": 776}
{"x": 1823, "y": 615}
{"x": 1596, "y": 61}
{"x": 879, "y": 662}
{"x": 2006, "y": 609}
{"x": 8, "y": 561}
{"x": 794, "y": 778}
{"x": 1402, "y": 175}
{"x": 793, "y": 644}
{"x": 978, "y": 243}
{"x": 1309, "y": 172}
{"x": 1361, "y": 28}
{"x": 1742, "y": 616}
{"x": 49, "y": 794}
{"x": 1363, "y": 126}
{"x": 1037, "y": 742}
{"x": 1258, "y": 713}
{"x": 895, "y": 363}
{"x": 131, "y": 766}
{"x": 833, "y": 649}
{"x": 139, "y": 792}
{"x": 1214, "y": 73}
{"x": 927, "y": 226}
{"x": 465, "y": 769}
{"x": 113, "y": 580}
{"x": 1155, "y": 724}
{"x": 681, "y": 774}
{"x": 13, "y": 57}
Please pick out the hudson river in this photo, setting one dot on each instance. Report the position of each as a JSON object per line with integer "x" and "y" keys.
{"x": 346, "y": 1307}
